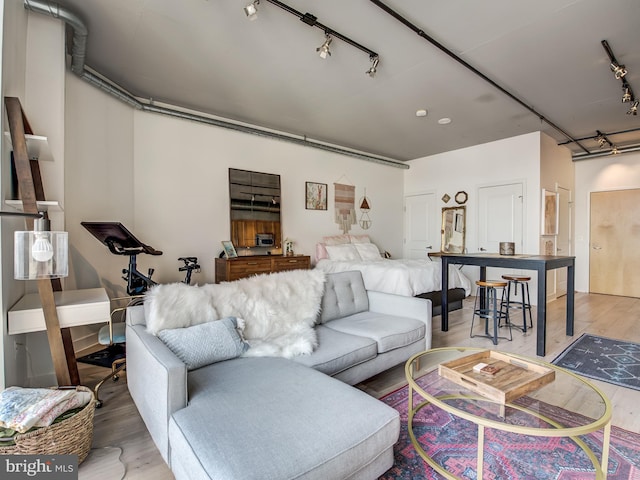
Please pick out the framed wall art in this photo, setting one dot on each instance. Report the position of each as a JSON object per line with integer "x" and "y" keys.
{"x": 549, "y": 215}
{"x": 316, "y": 196}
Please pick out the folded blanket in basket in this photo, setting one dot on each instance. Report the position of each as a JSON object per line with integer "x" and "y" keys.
{"x": 24, "y": 408}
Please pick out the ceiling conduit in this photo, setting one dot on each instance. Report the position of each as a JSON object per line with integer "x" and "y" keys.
{"x": 78, "y": 53}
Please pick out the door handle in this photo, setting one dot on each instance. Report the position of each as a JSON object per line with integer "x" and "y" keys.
{"x": 483, "y": 249}
{"x": 429, "y": 247}
{"x": 597, "y": 247}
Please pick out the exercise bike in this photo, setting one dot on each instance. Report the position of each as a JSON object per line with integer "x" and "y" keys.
{"x": 121, "y": 241}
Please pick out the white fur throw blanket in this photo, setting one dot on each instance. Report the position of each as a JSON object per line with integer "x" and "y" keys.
{"x": 279, "y": 309}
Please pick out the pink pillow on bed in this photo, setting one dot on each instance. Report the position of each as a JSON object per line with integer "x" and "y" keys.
{"x": 321, "y": 251}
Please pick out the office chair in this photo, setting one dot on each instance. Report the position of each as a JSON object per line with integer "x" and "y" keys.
{"x": 113, "y": 335}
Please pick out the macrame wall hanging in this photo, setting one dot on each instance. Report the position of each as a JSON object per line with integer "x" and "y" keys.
{"x": 345, "y": 205}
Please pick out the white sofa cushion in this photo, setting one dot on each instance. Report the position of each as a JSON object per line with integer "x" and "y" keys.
{"x": 271, "y": 419}
{"x": 344, "y": 294}
{"x": 389, "y": 331}
{"x": 338, "y": 351}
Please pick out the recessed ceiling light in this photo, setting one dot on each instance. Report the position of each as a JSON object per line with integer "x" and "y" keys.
{"x": 444, "y": 121}
{"x": 421, "y": 113}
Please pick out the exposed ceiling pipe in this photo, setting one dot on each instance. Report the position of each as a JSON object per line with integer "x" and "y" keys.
{"x": 80, "y": 32}
{"x": 444, "y": 49}
{"x": 607, "y": 153}
{"x": 78, "y": 54}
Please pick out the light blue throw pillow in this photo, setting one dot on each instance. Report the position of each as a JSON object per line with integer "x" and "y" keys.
{"x": 206, "y": 343}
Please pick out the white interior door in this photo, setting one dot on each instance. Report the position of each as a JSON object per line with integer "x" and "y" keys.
{"x": 500, "y": 212}
{"x": 421, "y": 220}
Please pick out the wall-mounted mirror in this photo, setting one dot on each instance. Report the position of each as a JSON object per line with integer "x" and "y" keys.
{"x": 453, "y": 228}
{"x": 255, "y": 209}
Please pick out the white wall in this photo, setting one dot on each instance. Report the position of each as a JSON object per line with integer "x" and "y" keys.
{"x": 511, "y": 160}
{"x": 617, "y": 172}
{"x": 529, "y": 159}
{"x": 182, "y": 195}
{"x": 166, "y": 180}
{"x": 98, "y": 180}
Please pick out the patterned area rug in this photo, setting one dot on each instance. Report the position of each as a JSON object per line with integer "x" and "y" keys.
{"x": 606, "y": 359}
{"x": 452, "y": 442}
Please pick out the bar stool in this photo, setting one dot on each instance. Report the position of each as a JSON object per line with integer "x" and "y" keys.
{"x": 524, "y": 305}
{"x": 486, "y": 306}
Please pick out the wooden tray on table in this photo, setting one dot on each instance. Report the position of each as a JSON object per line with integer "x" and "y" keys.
{"x": 504, "y": 379}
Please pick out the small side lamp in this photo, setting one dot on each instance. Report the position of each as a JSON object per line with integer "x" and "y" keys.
{"x": 40, "y": 253}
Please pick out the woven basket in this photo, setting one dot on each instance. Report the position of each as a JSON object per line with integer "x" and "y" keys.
{"x": 72, "y": 436}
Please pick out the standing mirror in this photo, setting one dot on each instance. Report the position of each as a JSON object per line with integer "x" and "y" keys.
{"x": 255, "y": 210}
{"x": 453, "y": 229}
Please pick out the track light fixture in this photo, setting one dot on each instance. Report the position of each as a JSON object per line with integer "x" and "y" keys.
{"x": 603, "y": 140}
{"x": 619, "y": 71}
{"x": 251, "y": 11}
{"x": 374, "y": 67}
{"x": 323, "y": 49}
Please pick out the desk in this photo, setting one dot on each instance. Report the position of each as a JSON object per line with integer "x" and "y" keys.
{"x": 74, "y": 307}
{"x": 539, "y": 263}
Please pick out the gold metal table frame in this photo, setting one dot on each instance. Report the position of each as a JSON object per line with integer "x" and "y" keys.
{"x": 574, "y": 433}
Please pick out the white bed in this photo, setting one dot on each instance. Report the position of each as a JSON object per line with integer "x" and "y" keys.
{"x": 408, "y": 277}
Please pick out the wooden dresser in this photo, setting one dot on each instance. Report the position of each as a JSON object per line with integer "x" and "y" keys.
{"x": 235, "y": 268}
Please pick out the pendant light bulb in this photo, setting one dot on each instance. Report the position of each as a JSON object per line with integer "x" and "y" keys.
{"x": 42, "y": 250}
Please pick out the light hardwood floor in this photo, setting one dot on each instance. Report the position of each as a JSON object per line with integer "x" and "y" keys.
{"x": 117, "y": 423}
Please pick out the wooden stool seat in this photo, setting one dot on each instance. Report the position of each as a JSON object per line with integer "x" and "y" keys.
{"x": 516, "y": 278}
{"x": 491, "y": 283}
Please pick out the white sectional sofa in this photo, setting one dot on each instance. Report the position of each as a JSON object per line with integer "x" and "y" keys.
{"x": 282, "y": 418}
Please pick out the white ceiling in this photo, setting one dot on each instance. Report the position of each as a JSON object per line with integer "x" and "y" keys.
{"x": 205, "y": 55}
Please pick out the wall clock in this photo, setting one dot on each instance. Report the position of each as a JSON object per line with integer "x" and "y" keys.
{"x": 461, "y": 197}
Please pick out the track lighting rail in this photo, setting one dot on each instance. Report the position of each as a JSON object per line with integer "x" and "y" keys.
{"x": 610, "y": 134}
{"x": 312, "y": 21}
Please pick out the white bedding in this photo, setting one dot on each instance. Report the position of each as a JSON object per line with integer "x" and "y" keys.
{"x": 408, "y": 277}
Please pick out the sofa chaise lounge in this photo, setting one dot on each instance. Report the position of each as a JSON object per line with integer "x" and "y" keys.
{"x": 282, "y": 418}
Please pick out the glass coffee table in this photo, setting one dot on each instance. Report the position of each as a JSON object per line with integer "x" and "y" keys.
{"x": 561, "y": 405}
